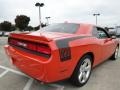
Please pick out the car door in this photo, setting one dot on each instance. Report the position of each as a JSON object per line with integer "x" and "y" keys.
{"x": 107, "y": 43}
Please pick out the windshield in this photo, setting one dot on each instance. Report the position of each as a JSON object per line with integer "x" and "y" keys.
{"x": 62, "y": 28}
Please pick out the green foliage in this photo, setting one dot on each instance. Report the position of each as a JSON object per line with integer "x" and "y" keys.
{"x": 5, "y": 26}
{"x": 29, "y": 28}
{"x": 37, "y": 27}
{"x": 13, "y": 28}
{"x": 43, "y": 24}
{"x": 22, "y": 21}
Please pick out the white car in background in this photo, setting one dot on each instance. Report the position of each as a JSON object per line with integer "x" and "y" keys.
{"x": 112, "y": 32}
{"x": 6, "y": 33}
{"x": 1, "y": 33}
{"x": 117, "y": 31}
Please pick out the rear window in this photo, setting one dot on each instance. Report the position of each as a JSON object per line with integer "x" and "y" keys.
{"x": 62, "y": 28}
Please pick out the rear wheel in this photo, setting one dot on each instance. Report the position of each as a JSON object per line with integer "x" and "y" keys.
{"x": 82, "y": 71}
{"x": 115, "y": 55}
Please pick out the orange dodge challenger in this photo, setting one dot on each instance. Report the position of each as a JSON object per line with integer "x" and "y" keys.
{"x": 61, "y": 51}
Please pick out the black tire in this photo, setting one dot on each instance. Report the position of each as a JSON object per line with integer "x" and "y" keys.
{"x": 76, "y": 74}
{"x": 114, "y": 57}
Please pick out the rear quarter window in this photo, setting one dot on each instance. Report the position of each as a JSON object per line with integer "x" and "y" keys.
{"x": 95, "y": 32}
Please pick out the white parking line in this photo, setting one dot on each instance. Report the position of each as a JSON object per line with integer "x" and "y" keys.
{"x": 28, "y": 85}
{"x": 119, "y": 53}
{"x": 2, "y": 74}
{"x": 14, "y": 71}
{"x": 59, "y": 87}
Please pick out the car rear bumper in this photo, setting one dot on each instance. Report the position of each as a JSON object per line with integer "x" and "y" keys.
{"x": 26, "y": 64}
{"x": 49, "y": 72}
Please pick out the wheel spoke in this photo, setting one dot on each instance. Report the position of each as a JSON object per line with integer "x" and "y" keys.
{"x": 85, "y": 64}
{"x": 80, "y": 76}
{"x": 81, "y": 68}
{"x": 88, "y": 68}
{"x": 84, "y": 77}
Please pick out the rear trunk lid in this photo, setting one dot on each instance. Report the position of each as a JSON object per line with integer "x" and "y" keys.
{"x": 40, "y": 36}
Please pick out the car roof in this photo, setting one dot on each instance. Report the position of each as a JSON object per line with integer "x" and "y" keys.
{"x": 85, "y": 28}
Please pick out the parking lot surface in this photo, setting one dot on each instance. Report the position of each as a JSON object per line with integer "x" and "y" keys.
{"x": 106, "y": 76}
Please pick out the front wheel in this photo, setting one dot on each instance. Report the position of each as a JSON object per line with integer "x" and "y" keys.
{"x": 115, "y": 55}
{"x": 82, "y": 71}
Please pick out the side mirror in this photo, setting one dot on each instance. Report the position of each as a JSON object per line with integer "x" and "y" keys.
{"x": 113, "y": 37}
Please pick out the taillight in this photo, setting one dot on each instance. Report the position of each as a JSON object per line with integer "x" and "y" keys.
{"x": 14, "y": 42}
{"x": 44, "y": 49}
{"x": 32, "y": 46}
{"x": 65, "y": 54}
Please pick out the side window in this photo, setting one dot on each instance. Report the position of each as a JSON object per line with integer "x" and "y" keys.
{"x": 99, "y": 33}
{"x": 102, "y": 33}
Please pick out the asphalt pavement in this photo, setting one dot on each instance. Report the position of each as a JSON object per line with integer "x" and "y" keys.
{"x": 106, "y": 76}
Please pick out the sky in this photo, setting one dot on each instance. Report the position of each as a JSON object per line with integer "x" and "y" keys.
{"x": 80, "y": 11}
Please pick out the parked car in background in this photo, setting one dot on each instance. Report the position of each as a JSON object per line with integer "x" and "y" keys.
{"x": 61, "y": 51}
{"x": 1, "y": 33}
{"x": 112, "y": 31}
{"x": 6, "y": 34}
{"x": 117, "y": 31}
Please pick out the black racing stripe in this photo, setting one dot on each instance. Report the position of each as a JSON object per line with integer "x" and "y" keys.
{"x": 64, "y": 43}
{"x": 64, "y": 48}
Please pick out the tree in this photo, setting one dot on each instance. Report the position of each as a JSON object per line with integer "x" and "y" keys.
{"x": 5, "y": 26}
{"x": 13, "y": 28}
{"x": 22, "y": 21}
{"x": 37, "y": 27}
{"x": 29, "y": 28}
{"x": 43, "y": 25}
